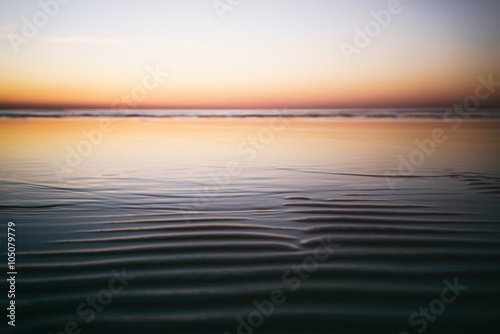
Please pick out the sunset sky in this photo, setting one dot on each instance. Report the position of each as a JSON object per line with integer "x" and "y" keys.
{"x": 263, "y": 54}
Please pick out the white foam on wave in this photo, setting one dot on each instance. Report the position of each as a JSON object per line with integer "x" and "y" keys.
{"x": 357, "y": 113}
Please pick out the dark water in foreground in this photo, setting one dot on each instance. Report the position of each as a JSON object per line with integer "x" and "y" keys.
{"x": 198, "y": 226}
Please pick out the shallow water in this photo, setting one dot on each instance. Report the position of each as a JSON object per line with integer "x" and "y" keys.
{"x": 210, "y": 214}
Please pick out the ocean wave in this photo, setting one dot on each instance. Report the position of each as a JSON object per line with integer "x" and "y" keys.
{"x": 199, "y": 113}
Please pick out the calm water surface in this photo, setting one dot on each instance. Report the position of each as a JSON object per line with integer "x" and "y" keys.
{"x": 210, "y": 215}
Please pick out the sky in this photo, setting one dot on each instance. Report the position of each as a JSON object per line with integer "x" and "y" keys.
{"x": 251, "y": 54}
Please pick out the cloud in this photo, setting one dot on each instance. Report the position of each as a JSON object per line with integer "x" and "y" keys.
{"x": 83, "y": 39}
{"x": 7, "y": 31}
